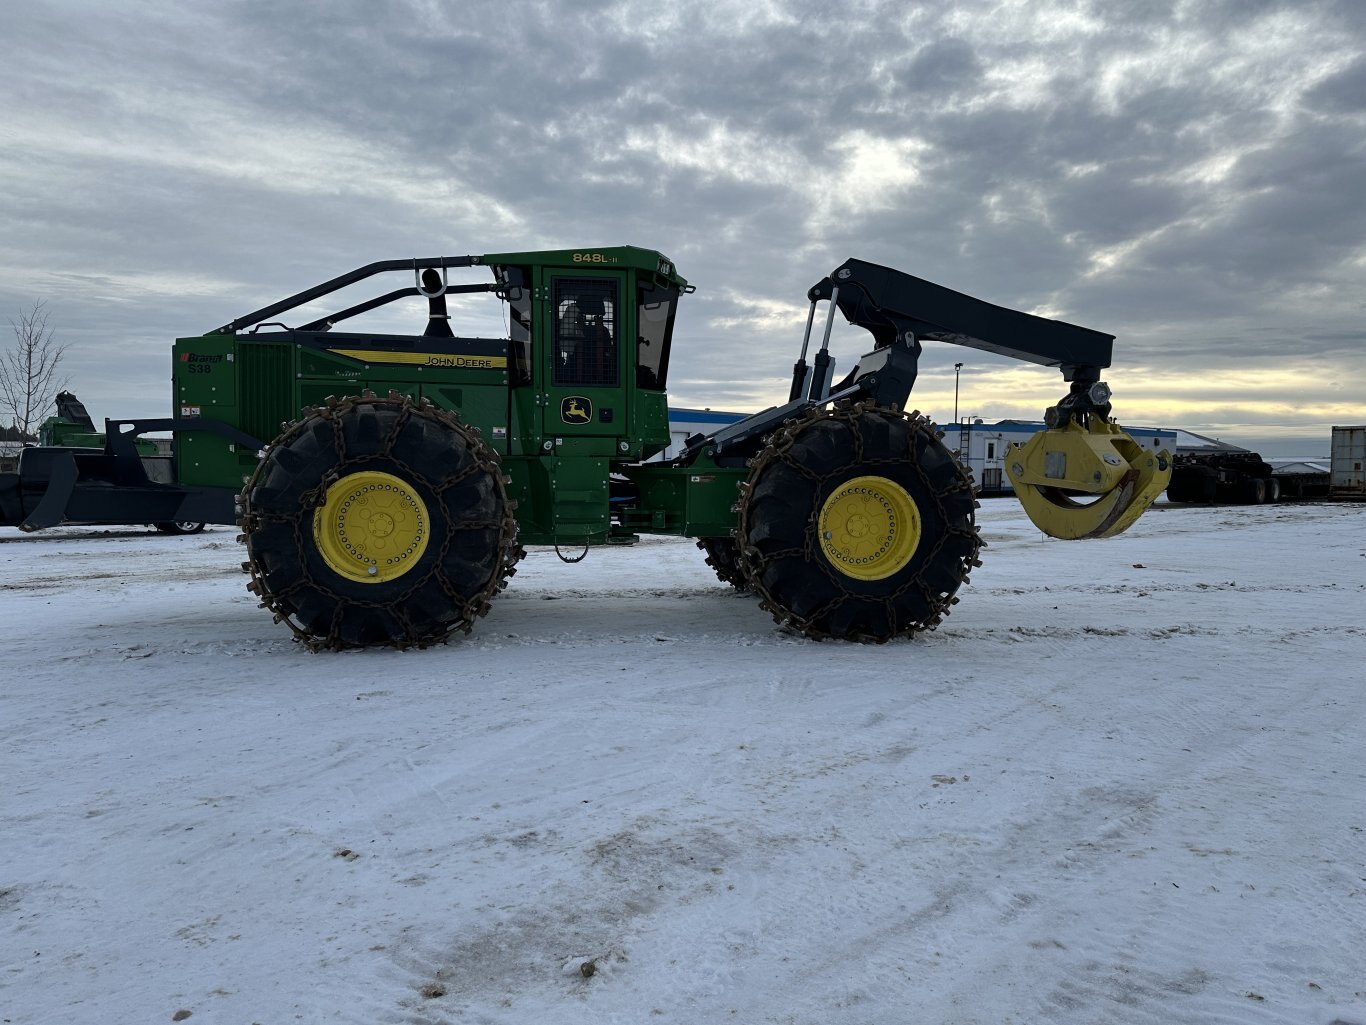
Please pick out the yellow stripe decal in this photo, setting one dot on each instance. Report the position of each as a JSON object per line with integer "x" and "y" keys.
{"x": 455, "y": 360}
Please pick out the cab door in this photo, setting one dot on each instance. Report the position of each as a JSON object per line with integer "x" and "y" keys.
{"x": 586, "y": 319}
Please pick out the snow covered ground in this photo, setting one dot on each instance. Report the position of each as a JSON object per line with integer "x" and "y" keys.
{"x": 1125, "y": 782}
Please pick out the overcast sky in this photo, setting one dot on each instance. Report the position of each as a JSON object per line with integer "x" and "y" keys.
{"x": 1189, "y": 176}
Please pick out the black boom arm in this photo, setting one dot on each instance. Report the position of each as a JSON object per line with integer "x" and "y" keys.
{"x": 900, "y": 310}
{"x": 889, "y": 303}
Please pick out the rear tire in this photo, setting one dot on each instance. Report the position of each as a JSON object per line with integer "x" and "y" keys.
{"x": 377, "y": 522}
{"x": 857, "y": 523}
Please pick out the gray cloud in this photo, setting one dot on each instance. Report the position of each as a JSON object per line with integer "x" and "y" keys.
{"x": 1184, "y": 175}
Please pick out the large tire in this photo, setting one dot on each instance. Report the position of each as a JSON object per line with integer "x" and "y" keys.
{"x": 375, "y": 522}
{"x": 1192, "y": 484}
{"x": 1252, "y": 490}
{"x": 723, "y": 556}
{"x": 1184, "y": 486}
{"x": 857, "y": 523}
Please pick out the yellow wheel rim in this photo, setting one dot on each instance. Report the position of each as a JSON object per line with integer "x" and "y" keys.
{"x": 372, "y": 527}
{"x": 869, "y": 528}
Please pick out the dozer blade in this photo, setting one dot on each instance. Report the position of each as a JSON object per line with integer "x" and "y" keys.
{"x": 1056, "y": 471}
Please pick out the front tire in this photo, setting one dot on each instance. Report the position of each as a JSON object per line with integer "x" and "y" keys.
{"x": 857, "y": 523}
{"x": 374, "y": 522}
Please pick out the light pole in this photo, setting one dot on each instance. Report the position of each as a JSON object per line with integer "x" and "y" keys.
{"x": 957, "y": 369}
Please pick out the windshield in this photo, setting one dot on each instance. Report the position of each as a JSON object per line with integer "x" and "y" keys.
{"x": 655, "y": 328}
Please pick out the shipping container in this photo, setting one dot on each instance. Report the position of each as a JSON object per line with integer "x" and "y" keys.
{"x": 1348, "y": 458}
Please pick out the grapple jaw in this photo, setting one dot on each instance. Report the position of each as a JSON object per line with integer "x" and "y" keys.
{"x": 1086, "y": 479}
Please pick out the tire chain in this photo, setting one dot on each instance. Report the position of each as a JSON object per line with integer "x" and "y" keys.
{"x": 776, "y": 449}
{"x": 726, "y": 565}
{"x": 333, "y": 411}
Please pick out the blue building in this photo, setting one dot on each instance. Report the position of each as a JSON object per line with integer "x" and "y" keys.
{"x": 684, "y": 423}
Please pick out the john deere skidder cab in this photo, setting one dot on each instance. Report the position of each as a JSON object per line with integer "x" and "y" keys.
{"x": 412, "y": 468}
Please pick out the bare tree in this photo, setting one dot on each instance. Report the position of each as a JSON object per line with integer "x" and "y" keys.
{"x": 28, "y": 371}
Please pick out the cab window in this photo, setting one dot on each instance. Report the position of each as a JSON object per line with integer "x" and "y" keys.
{"x": 585, "y": 332}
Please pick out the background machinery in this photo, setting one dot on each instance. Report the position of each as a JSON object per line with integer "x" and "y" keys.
{"x": 71, "y": 433}
{"x": 1224, "y": 476}
{"x": 393, "y": 514}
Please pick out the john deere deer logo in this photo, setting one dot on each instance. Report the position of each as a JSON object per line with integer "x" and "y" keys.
{"x": 576, "y": 410}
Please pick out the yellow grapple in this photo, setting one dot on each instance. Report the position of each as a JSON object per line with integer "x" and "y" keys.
{"x": 1082, "y": 481}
